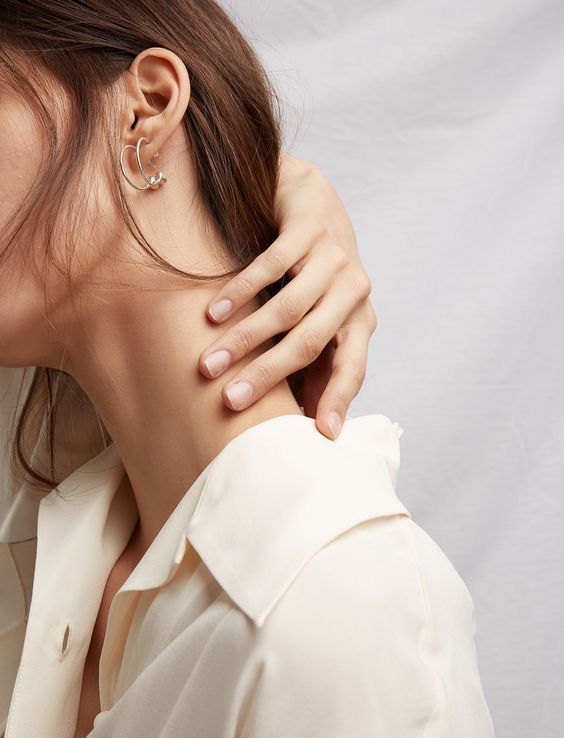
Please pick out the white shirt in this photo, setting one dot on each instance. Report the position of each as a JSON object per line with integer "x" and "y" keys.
{"x": 289, "y": 595}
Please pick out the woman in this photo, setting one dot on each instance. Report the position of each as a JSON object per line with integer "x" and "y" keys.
{"x": 207, "y": 572}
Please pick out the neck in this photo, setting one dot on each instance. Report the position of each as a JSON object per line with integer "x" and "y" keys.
{"x": 138, "y": 364}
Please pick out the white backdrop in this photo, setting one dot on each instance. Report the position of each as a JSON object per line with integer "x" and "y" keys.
{"x": 441, "y": 125}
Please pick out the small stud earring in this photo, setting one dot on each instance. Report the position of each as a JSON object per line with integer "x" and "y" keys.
{"x": 154, "y": 181}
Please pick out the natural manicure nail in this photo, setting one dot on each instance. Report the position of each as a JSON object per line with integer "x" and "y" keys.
{"x": 220, "y": 310}
{"x": 217, "y": 362}
{"x": 334, "y": 420}
{"x": 239, "y": 394}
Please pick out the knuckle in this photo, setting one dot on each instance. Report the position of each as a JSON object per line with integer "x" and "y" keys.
{"x": 243, "y": 339}
{"x": 310, "y": 345}
{"x": 314, "y": 226}
{"x": 289, "y": 310}
{"x": 371, "y": 317}
{"x": 340, "y": 398}
{"x": 242, "y": 287}
{"x": 349, "y": 381}
{"x": 340, "y": 336}
{"x": 264, "y": 376}
{"x": 351, "y": 387}
{"x": 274, "y": 263}
{"x": 359, "y": 375}
{"x": 314, "y": 170}
{"x": 340, "y": 258}
{"x": 364, "y": 284}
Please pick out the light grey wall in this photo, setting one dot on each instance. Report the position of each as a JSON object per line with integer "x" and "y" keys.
{"x": 442, "y": 126}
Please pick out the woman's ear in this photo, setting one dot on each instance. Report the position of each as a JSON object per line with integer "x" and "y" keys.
{"x": 158, "y": 92}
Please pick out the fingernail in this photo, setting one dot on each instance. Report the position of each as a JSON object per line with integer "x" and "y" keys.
{"x": 334, "y": 420}
{"x": 239, "y": 394}
{"x": 217, "y": 362}
{"x": 220, "y": 310}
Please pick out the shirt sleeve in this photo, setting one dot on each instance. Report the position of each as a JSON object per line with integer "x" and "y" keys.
{"x": 375, "y": 639}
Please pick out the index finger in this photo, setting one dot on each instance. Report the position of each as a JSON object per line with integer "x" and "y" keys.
{"x": 266, "y": 268}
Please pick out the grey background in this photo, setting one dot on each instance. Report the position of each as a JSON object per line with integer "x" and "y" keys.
{"x": 441, "y": 124}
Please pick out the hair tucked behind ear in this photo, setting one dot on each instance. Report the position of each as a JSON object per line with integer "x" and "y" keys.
{"x": 232, "y": 128}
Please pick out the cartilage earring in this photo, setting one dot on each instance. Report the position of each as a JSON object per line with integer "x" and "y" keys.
{"x": 154, "y": 181}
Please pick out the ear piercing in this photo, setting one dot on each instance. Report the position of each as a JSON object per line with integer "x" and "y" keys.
{"x": 154, "y": 181}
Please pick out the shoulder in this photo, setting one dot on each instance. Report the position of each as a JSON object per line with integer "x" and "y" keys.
{"x": 383, "y": 571}
{"x": 372, "y": 637}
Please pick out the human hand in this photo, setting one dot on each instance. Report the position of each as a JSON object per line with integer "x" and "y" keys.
{"x": 325, "y": 307}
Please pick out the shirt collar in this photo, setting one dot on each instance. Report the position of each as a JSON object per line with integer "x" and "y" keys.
{"x": 273, "y": 496}
{"x": 280, "y": 491}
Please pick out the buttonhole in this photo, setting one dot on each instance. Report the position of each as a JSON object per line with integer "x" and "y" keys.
{"x": 66, "y": 641}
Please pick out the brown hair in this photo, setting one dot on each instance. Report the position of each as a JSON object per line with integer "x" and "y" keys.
{"x": 232, "y": 127}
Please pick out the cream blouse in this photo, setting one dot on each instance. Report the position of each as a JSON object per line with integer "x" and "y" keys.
{"x": 289, "y": 595}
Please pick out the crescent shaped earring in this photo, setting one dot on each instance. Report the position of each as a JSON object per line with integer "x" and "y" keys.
{"x": 154, "y": 181}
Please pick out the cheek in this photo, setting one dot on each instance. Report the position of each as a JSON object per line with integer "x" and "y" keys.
{"x": 22, "y": 319}
{"x": 20, "y": 156}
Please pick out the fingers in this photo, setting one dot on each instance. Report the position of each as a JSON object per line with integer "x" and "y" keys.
{"x": 278, "y": 315}
{"x": 346, "y": 379}
{"x": 268, "y": 267}
{"x": 299, "y": 348}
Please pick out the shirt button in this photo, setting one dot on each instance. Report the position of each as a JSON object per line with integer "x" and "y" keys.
{"x": 99, "y": 717}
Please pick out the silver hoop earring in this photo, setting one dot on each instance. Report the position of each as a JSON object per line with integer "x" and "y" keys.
{"x": 154, "y": 181}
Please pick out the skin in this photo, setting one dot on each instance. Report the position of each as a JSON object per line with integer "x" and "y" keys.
{"x": 331, "y": 343}
{"x": 135, "y": 339}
